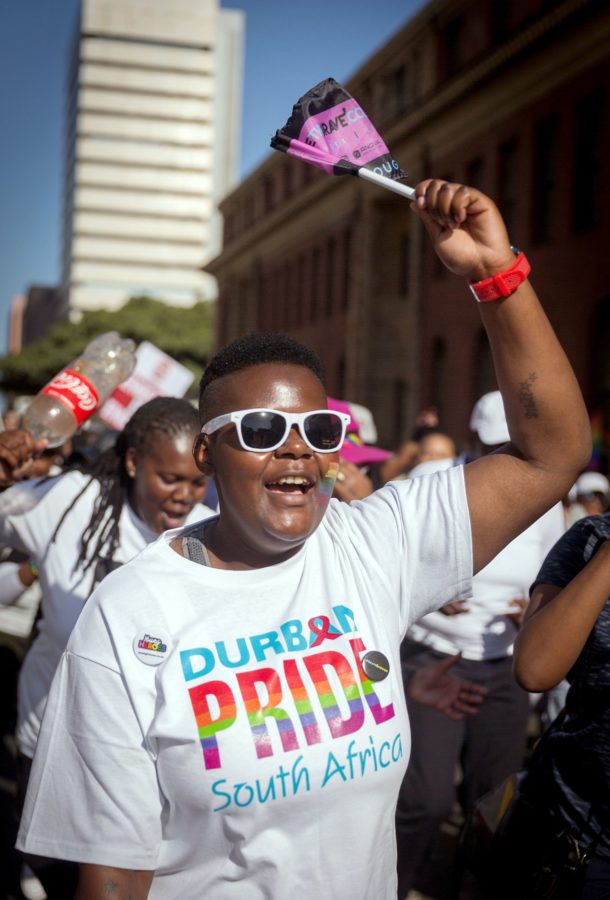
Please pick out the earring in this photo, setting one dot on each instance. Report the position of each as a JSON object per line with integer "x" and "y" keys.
{"x": 131, "y": 472}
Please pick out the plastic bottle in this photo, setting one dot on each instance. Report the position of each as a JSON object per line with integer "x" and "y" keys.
{"x": 76, "y": 392}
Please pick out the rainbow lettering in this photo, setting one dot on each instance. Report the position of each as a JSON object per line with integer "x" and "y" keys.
{"x": 272, "y": 695}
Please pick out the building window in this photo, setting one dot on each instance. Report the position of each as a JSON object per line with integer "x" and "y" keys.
{"x": 346, "y": 269}
{"x": 292, "y": 293}
{"x": 545, "y": 178}
{"x": 340, "y": 388}
{"x": 508, "y": 185}
{"x": 301, "y": 293}
{"x": 329, "y": 278}
{"x": 405, "y": 265}
{"x": 242, "y": 305}
{"x": 475, "y": 173}
{"x": 397, "y": 86}
{"x": 316, "y": 269}
{"x": 399, "y": 419}
{"x": 588, "y": 161}
{"x": 272, "y": 301}
{"x": 260, "y": 299}
{"x": 248, "y": 210}
{"x": 308, "y": 173}
{"x": 283, "y": 302}
{"x": 221, "y": 322}
{"x": 439, "y": 376}
{"x": 417, "y": 81}
{"x": 267, "y": 194}
{"x": 268, "y": 303}
{"x": 499, "y": 14}
{"x": 287, "y": 173}
{"x": 454, "y": 40}
{"x": 401, "y": 83}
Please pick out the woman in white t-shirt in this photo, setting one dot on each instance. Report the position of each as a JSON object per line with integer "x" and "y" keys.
{"x": 79, "y": 526}
{"x": 238, "y": 728}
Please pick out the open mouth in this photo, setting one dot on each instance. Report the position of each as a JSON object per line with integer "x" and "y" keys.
{"x": 290, "y": 484}
{"x": 174, "y": 519}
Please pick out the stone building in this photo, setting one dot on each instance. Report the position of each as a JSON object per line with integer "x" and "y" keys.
{"x": 510, "y": 97}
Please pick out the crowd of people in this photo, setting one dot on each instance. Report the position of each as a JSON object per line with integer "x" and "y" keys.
{"x": 284, "y": 693}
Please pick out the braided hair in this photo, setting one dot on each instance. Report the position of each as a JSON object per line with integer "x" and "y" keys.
{"x": 162, "y": 416}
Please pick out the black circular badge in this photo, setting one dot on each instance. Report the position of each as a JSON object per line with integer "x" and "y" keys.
{"x": 375, "y": 665}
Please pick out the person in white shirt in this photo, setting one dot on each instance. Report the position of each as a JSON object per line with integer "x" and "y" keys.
{"x": 592, "y": 490}
{"x": 228, "y": 719}
{"x": 79, "y": 526}
{"x": 491, "y": 745}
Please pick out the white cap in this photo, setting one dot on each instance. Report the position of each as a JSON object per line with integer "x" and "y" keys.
{"x": 592, "y": 482}
{"x": 368, "y": 430}
{"x": 488, "y": 419}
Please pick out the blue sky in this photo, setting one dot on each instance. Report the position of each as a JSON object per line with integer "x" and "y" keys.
{"x": 289, "y": 48}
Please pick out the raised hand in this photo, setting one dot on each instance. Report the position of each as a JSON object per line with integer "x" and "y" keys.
{"x": 466, "y": 228}
{"x": 18, "y": 450}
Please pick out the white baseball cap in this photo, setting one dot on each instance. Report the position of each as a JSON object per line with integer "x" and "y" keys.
{"x": 368, "y": 429}
{"x": 488, "y": 419}
{"x": 592, "y": 483}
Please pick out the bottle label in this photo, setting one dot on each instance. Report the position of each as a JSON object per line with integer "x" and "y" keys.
{"x": 75, "y": 392}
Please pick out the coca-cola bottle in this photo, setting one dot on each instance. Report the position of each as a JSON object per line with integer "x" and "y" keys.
{"x": 77, "y": 391}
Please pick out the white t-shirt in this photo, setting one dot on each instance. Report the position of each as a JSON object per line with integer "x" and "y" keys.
{"x": 485, "y": 632}
{"x": 29, "y": 514}
{"x": 219, "y": 728}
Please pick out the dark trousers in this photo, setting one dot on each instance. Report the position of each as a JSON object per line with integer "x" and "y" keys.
{"x": 597, "y": 880}
{"x": 59, "y": 878}
{"x": 487, "y": 747}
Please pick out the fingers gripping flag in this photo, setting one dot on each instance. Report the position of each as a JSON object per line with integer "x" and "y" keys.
{"x": 329, "y": 129}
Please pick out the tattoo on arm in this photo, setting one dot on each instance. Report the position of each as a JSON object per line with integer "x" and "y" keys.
{"x": 111, "y": 888}
{"x": 526, "y": 396}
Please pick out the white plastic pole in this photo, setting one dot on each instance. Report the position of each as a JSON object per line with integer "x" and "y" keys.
{"x": 387, "y": 183}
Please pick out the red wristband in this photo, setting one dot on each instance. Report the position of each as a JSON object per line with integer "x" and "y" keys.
{"x": 503, "y": 284}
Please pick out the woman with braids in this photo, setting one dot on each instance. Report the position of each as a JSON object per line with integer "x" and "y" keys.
{"x": 82, "y": 524}
{"x": 239, "y": 729}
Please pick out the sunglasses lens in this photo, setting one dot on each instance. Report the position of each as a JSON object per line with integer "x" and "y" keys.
{"x": 324, "y": 431}
{"x": 261, "y": 430}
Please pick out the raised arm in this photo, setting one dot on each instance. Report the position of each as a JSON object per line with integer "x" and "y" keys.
{"x": 547, "y": 420}
{"x": 558, "y": 622}
{"x": 103, "y": 882}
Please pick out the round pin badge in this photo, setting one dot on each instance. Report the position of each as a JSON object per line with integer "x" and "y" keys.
{"x": 150, "y": 647}
{"x": 375, "y": 665}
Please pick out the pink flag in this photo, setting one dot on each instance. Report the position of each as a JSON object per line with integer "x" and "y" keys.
{"x": 329, "y": 129}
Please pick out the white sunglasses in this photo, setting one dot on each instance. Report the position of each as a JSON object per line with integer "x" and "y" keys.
{"x": 263, "y": 430}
